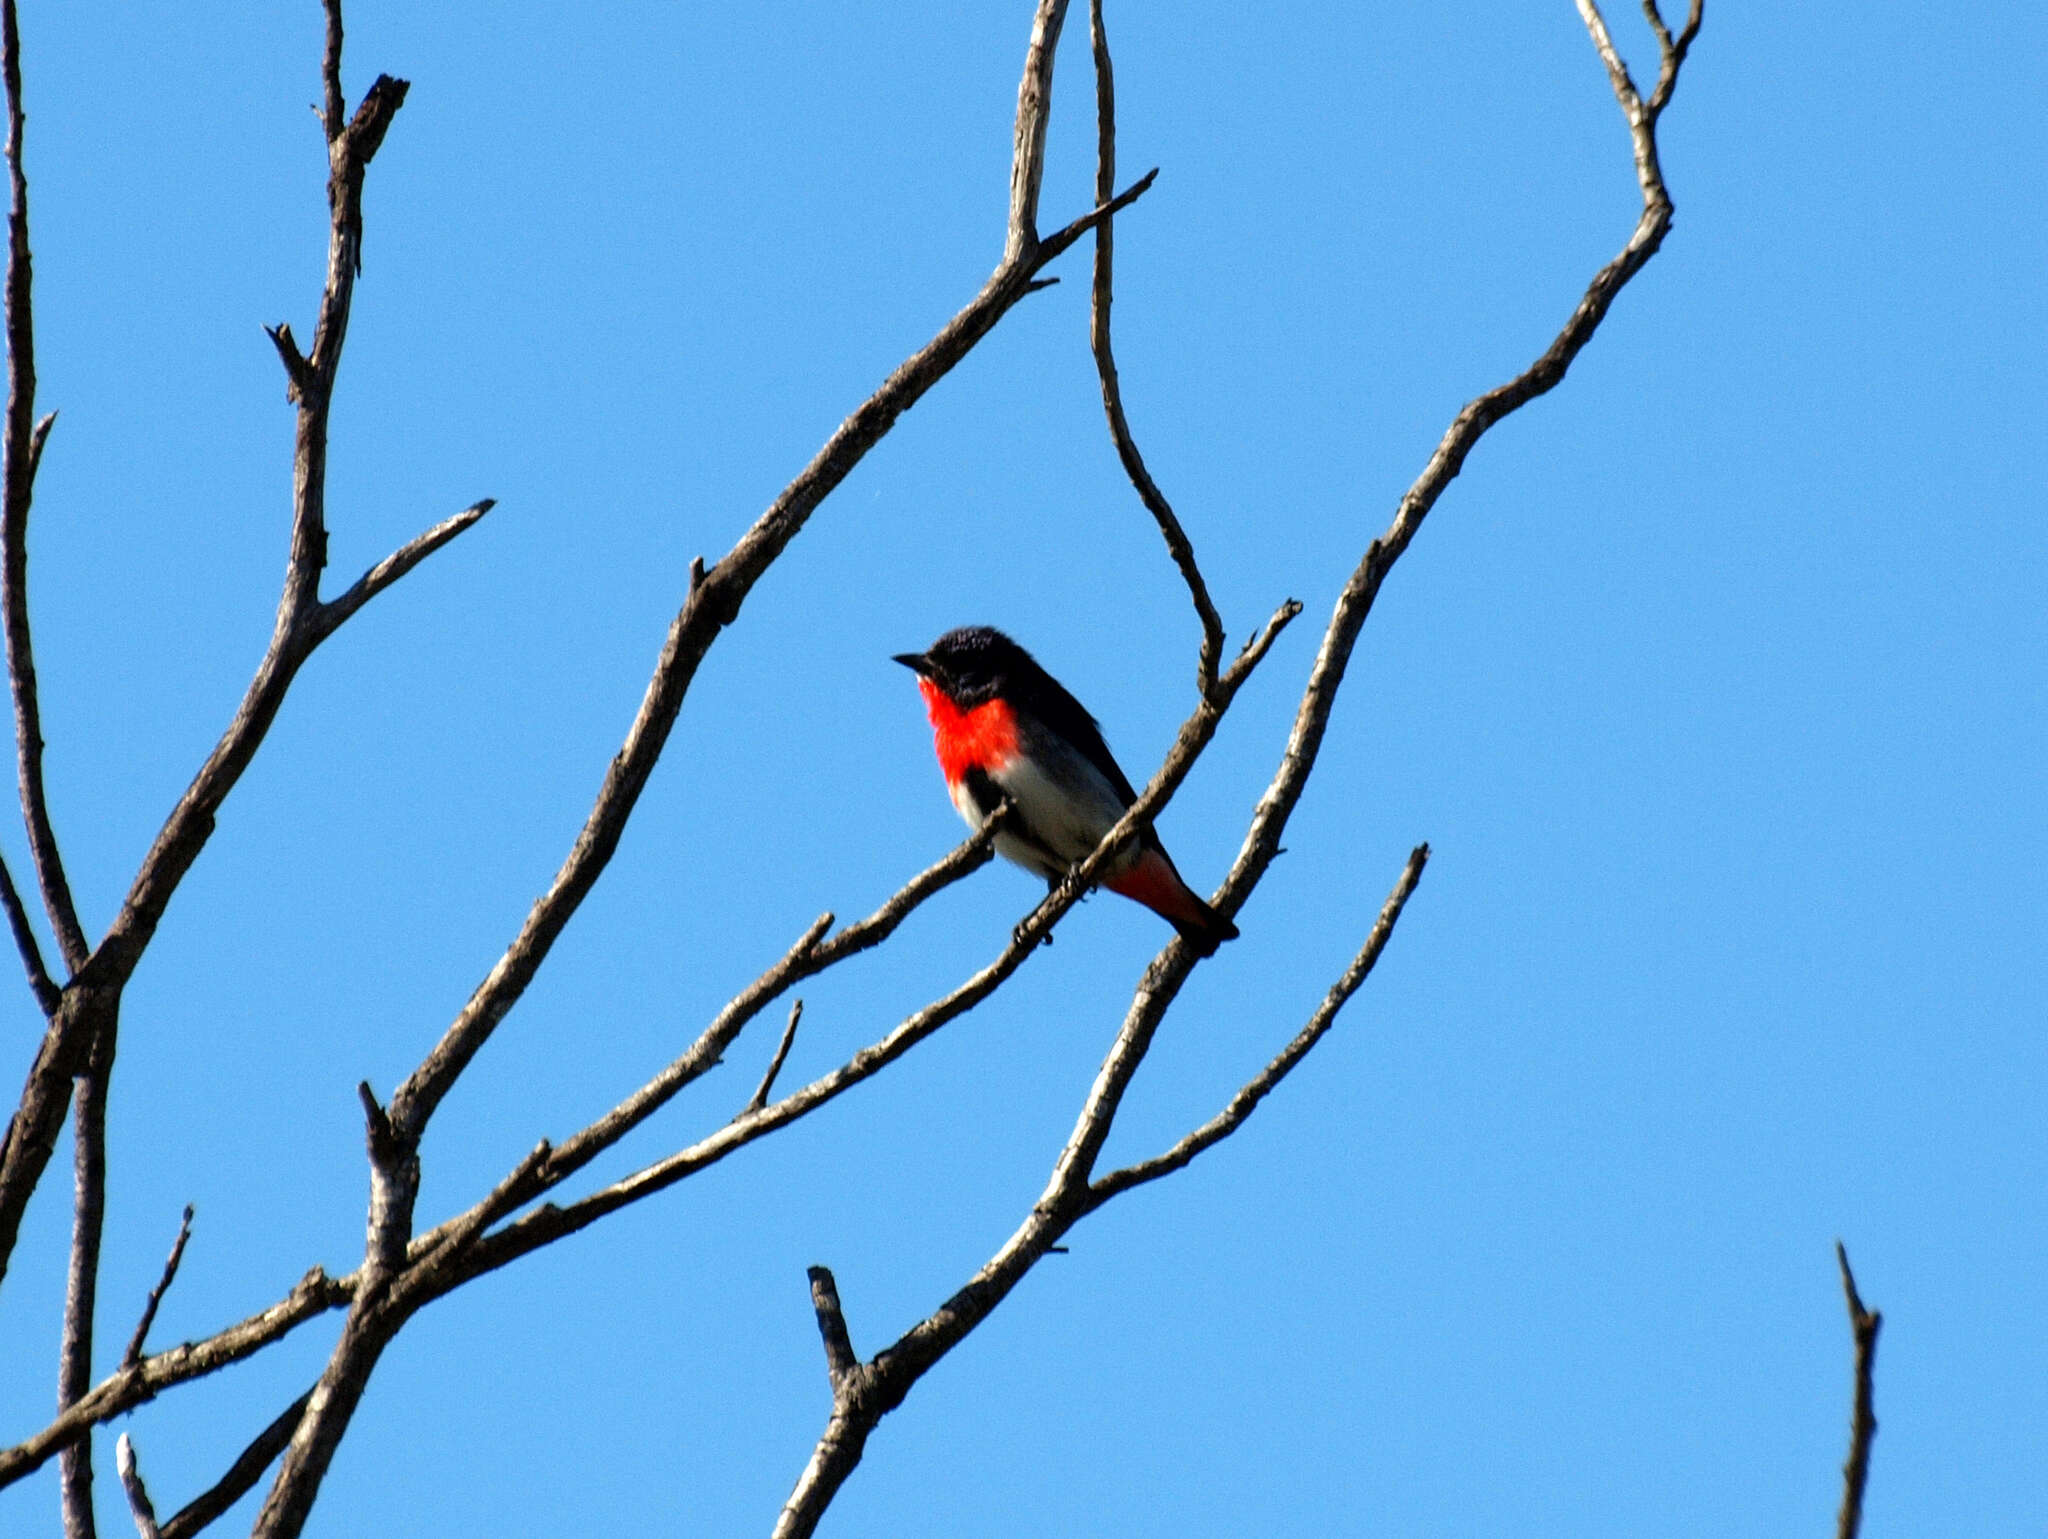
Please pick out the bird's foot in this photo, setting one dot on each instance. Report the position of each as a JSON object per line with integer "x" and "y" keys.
{"x": 1017, "y": 935}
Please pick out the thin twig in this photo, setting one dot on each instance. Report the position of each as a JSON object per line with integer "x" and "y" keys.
{"x": 139, "y": 1505}
{"x": 1101, "y": 295}
{"x": 133, "y": 1354}
{"x": 1247, "y": 1099}
{"x": 22, "y": 450}
{"x": 47, "y": 994}
{"x": 759, "y": 1098}
{"x": 1864, "y": 1325}
{"x": 394, "y": 566}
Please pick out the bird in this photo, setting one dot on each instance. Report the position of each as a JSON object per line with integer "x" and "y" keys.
{"x": 1005, "y": 728}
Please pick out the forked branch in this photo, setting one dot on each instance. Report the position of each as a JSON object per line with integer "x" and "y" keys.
{"x": 1072, "y": 1191}
{"x": 864, "y": 1392}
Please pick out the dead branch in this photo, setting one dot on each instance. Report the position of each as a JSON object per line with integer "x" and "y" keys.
{"x": 1864, "y": 1325}
{"x": 759, "y": 1098}
{"x": 139, "y": 1505}
{"x": 241, "y": 1477}
{"x": 1255, "y": 1090}
{"x": 1100, "y": 297}
{"x": 46, "y": 993}
{"x": 84, "y": 1022}
{"x": 317, "y": 1293}
{"x": 81, "y": 1291}
{"x": 133, "y": 1354}
{"x": 23, "y": 451}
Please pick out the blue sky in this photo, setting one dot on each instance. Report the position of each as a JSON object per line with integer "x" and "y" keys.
{"x": 1715, "y": 682}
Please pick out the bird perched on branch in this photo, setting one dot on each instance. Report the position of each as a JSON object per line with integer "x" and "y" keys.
{"x": 1004, "y": 727}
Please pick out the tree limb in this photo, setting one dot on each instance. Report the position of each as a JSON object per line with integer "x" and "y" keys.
{"x": 81, "y": 1291}
{"x": 89, "y": 1008}
{"x": 47, "y": 994}
{"x": 139, "y": 1504}
{"x": 133, "y": 1354}
{"x": 1864, "y": 1325}
{"x": 1255, "y": 1090}
{"x": 759, "y": 1098}
{"x": 22, "y": 449}
{"x": 1100, "y": 296}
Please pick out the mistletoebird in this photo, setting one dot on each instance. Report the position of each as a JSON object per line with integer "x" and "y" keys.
{"x": 1004, "y": 727}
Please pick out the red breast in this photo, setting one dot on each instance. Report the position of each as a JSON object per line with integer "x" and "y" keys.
{"x": 984, "y": 737}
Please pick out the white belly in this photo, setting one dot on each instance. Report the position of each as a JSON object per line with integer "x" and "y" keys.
{"x": 1066, "y": 817}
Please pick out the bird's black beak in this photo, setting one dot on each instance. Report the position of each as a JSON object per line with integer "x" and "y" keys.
{"x": 916, "y": 662}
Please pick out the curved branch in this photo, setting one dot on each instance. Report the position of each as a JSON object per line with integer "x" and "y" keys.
{"x": 1100, "y": 297}
{"x": 1255, "y": 1090}
{"x": 23, "y": 452}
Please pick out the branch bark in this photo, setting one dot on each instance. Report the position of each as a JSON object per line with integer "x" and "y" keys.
{"x": 23, "y": 452}
{"x": 81, "y": 1292}
{"x": 1864, "y": 1325}
{"x": 1100, "y": 298}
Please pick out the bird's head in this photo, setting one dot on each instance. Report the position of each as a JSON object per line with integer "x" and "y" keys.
{"x": 970, "y": 665}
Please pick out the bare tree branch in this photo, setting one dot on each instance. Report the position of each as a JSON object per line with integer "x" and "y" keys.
{"x": 1034, "y": 113}
{"x": 840, "y": 1358}
{"x": 1177, "y": 543}
{"x": 375, "y": 1315}
{"x": 713, "y": 603}
{"x": 318, "y": 1294}
{"x": 863, "y": 1393}
{"x": 133, "y": 1354}
{"x": 23, "y": 451}
{"x": 241, "y": 1477}
{"x": 139, "y": 1505}
{"x": 888, "y": 1378}
{"x": 81, "y": 1292}
{"x": 85, "y": 1020}
{"x": 1246, "y": 1101}
{"x": 47, "y": 994}
{"x": 759, "y": 1098}
{"x": 394, "y": 566}
{"x": 127, "y": 1388}
{"x": 1864, "y": 1325}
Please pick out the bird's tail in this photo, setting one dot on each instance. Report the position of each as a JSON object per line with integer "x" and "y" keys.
{"x": 1154, "y": 883}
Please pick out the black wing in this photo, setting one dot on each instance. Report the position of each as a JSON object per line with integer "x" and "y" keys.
{"x": 1046, "y": 698}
